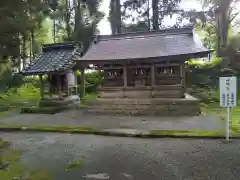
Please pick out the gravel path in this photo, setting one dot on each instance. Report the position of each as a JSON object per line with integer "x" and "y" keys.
{"x": 78, "y": 118}
{"x": 128, "y": 158}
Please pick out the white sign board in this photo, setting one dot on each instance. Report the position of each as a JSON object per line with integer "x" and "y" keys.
{"x": 228, "y": 92}
{"x": 71, "y": 78}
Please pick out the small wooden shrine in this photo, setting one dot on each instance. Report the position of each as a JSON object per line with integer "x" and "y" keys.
{"x": 144, "y": 72}
{"x": 55, "y": 67}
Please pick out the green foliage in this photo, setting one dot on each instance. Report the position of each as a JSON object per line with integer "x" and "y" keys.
{"x": 203, "y": 75}
{"x": 26, "y": 95}
{"x": 92, "y": 82}
{"x": 76, "y": 20}
{"x": 10, "y": 80}
{"x": 20, "y": 17}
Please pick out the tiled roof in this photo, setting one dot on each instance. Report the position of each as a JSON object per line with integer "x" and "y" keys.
{"x": 54, "y": 58}
{"x": 168, "y": 42}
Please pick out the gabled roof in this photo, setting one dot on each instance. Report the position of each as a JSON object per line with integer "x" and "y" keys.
{"x": 145, "y": 45}
{"x": 54, "y": 58}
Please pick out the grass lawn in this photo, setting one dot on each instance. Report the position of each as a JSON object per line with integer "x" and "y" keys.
{"x": 216, "y": 110}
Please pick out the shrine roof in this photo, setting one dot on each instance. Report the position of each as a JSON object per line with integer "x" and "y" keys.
{"x": 145, "y": 45}
{"x": 54, "y": 58}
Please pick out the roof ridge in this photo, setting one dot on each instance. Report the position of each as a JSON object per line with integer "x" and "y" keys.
{"x": 72, "y": 44}
{"x": 131, "y": 35}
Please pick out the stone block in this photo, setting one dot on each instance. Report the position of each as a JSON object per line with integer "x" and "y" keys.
{"x": 147, "y": 106}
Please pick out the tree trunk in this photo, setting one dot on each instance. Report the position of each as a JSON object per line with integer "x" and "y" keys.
{"x": 155, "y": 14}
{"x": 33, "y": 44}
{"x": 115, "y": 16}
{"x": 148, "y": 16}
{"x": 118, "y": 16}
{"x": 19, "y": 59}
{"x": 32, "y": 41}
{"x": 112, "y": 17}
{"x": 222, "y": 30}
{"x": 67, "y": 18}
{"x": 54, "y": 30}
{"x": 78, "y": 17}
{"x": 24, "y": 49}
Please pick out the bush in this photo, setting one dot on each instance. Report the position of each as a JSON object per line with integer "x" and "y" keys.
{"x": 203, "y": 75}
{"x": 9, "y": 80}
{"x": 20, "y": 96}
{"x": 93, "y": 81}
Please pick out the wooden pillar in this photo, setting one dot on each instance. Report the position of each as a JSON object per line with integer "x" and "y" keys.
{"x": 59, "y": 86}
{"x": 41, "y": 87}
{"x": 125, "y": 75}
{"x": 153, "y": 74}
{"x": 183, "y": 77}
{"x": 50, "y": 90}
{"x": 76, "y": 84}
{"x": 82, "y": 86}
{"x": 124, "y": 79}
{"x": 153, "y": 78}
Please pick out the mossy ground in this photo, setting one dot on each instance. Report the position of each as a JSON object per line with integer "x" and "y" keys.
{"x": 191, "y": 133}
{"x": 60, "y": 129}
{"x": 73, "y": 165}
{"x": 88, "y": 130}
{"x": 14, "y": 168}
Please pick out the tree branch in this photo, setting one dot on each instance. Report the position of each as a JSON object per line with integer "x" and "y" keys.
{"x": 233, "y": 16}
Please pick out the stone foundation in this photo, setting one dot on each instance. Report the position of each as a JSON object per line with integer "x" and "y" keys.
{"x": 70, "y": 101}
{"x": 169, "y": 91}
{"x": 188, "y": 106}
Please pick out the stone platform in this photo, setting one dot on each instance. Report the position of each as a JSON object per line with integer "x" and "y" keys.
{"x": 73, "y": 100}
{"x": 169, "y": 91}
{"x": 188, "y": 106}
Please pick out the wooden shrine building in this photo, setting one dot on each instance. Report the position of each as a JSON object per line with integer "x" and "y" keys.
{"x": 144, "y": 72}
{"x": 55, "y": 67}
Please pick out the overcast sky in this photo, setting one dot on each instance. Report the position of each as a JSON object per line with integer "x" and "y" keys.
{"x": 104, "y": 25}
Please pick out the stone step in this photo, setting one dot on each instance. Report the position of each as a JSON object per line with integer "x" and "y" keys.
{"x": 145, "y": 107}
{"x": 149, "y": 101}
{"x": 133, "y": 94}
{"x": 145, "y": 112}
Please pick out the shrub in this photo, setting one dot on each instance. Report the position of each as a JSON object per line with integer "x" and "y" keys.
{"x": 203, "y": 75}
{"x": 20, "y": 96}
{"x": 92, "y": 82}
